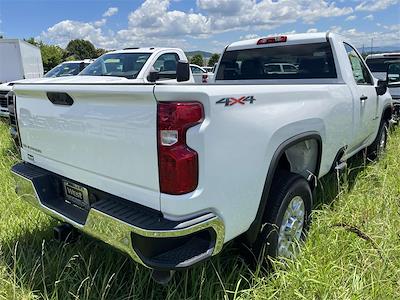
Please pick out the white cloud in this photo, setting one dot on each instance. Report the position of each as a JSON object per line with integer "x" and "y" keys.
{"x": 267, "y": 14}
{"x": 351, "y": 18}
{"x": 312, "y": 30}
{"x": 100, "y": 23}
{"x": 153, "y": 18}
{"x": 381, "y": 38}
{"x": 64, "y": 31}
{"x": 375, "y": 5}
{"x": 110, "y": 12}
{"x": 154, "y": 23}
{"x": 369, "y": 17}
{"x": 249, "y": 36}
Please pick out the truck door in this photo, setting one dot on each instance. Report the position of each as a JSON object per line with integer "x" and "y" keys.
{"x": 365, "y": 97}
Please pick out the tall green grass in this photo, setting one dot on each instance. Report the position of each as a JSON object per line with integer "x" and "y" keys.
{"x": 353, "y": 249}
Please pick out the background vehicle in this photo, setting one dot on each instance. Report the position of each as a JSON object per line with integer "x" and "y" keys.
{"x": 208, "y": 69}
{"x": 18, "y": 60}
{"x": 68, "y": 68}
{"x": 200, "y": 75}
{"x": 378, "y": 64}
{"x": 280, "y": 68}
{"x": 168, "y": 173}
{"x": 136, "y": 64}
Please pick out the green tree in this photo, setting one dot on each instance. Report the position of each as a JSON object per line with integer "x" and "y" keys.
{"x": 32, "y": 41}
{"x": 100, "y": 52}
{"x": 51, "y": 55}
{"x": 81, "y": 49}
{"x": 213, "y": 60}
{"x": 197, "y": 60}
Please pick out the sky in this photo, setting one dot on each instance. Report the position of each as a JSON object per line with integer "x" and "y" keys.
{"x": 196, "y": 24}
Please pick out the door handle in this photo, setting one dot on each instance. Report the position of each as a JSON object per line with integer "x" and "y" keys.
{"x": 363, "y": 98}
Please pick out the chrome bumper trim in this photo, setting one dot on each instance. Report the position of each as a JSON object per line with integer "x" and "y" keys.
{"x": 114, "y": 231}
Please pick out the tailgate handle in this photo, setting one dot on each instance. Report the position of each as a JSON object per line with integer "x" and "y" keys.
{"x": 60, "y": 98}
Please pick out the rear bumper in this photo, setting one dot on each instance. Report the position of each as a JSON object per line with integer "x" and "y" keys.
{"x": 144, "y": 234}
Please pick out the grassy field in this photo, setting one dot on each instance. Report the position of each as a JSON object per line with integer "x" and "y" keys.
{"x": 353, "y": 249}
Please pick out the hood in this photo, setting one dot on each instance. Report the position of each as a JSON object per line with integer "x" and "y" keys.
{"x": 81, "y": 79}
{"x": 6, "y": 86}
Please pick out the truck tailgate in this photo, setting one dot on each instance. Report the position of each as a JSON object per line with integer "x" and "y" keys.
{"x": 106, "y": 139}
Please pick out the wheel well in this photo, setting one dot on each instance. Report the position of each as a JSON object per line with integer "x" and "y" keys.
{"x": 301, "y": 155}
{"x": 300, "y": 158}
{"x": 387, "y": 113}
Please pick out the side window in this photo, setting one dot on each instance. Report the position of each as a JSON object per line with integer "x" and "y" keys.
{"x": 360, "y": 71}
{"x": 289, "y": 69}
{"x": 196, "y": 70}
{"x": 166, "y": 65}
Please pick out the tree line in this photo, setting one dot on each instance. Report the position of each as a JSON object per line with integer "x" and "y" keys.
{"x": 79, "y": 49}
{"x": 53, "y": 55}
{"x": 199, "y": 60}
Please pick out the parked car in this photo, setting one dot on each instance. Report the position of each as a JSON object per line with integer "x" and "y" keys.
{"x": 170, "y": 172}
{"x": 208, "y": 69}
{"x": 68, "y": 68}
{"x": 280, "y": 68}
{"x": 200, "y": 75}
{"x": 378, "y": 64}
{"x": 18, "y": 60}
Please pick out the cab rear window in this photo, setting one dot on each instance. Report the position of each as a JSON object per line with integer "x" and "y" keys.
{"x": 304, "y": 61}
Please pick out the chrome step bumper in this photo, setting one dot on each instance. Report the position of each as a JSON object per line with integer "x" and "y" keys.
{"x": 144, "y": 234}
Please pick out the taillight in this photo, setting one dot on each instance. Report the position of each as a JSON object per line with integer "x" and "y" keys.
{"x": 178, "y": 164}
{"x": 272, "y": 40}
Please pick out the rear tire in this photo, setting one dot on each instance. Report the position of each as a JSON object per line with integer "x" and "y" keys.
{"x": 287, "y": 217}
{"x": 378, "y": 147}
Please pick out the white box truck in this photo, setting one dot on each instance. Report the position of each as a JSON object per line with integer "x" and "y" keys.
{"x": 18, "y": 60}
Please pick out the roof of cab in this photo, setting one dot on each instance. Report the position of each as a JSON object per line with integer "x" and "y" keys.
{"x": 384, "y": 55}
{"x": 301, "y": 38}
{"x": 144, "y": 50}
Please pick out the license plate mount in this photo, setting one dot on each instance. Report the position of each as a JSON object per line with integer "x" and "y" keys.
{"x": 76, "y": 194}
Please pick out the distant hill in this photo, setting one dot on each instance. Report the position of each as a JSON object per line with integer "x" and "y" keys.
{"x": 205, "y": 54}
{"x": 393, "y": 48}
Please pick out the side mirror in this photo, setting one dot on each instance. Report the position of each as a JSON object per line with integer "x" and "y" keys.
{"x": 393, "y": 72}
{"x": 182, "y": 71}
{"x": 381, "y": 87}
{"x": 153, "y": 75}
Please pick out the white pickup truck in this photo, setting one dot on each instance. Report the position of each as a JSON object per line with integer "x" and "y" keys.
{"x": 169, "y": 172}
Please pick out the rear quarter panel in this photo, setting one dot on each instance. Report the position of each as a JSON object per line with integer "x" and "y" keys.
{"x": 236, "y": 142}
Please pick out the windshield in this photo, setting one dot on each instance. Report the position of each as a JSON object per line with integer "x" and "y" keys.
{"x": 126, "y": 65}
{"x": 66, "y": 69}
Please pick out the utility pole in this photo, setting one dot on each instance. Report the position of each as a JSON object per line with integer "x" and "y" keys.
{"x": 372, "y": 43}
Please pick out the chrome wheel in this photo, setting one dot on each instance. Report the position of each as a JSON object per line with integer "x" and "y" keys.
{"x": 292, "y": 228}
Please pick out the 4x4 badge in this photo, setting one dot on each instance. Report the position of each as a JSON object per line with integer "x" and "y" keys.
{"x": 232, "y": 101}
